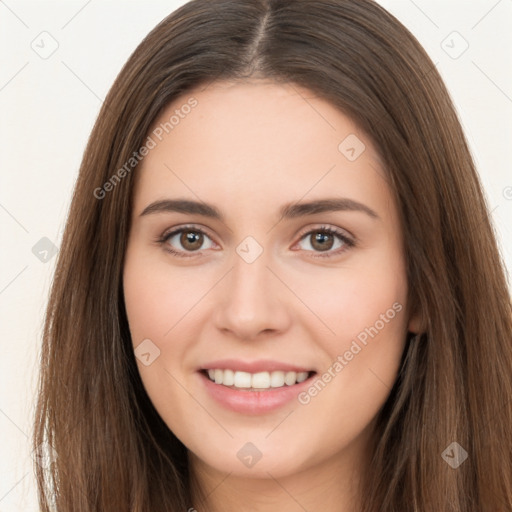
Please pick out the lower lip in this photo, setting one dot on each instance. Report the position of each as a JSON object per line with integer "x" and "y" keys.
{"x": 253, "y": 402}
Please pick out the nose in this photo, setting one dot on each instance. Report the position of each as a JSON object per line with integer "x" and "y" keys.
{"x": 252, "y": 301}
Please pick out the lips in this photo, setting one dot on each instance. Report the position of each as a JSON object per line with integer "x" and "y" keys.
{"x": 255, "y": 375}
{"x": 262, "y": 365}
{"x": 255, "y": 387}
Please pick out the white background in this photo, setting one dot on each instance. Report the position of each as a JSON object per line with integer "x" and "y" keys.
{"x": 47, "y": 110}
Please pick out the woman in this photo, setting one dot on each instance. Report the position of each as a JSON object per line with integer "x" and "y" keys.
{"x": 278, "y": 284}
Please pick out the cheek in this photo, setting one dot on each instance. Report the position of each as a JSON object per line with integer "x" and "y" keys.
{"x": 159, "y": 303}
{"x": 363, "y": 309}
{"x": 355, "y": 384}
{"x": 349, "y": 302}
{"x": 156, "y": 297}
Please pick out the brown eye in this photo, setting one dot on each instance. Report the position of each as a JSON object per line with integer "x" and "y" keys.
{"x": 322, "y": 241}
{"x": 191, "y": 240}
{"x": 185, "y": 240}
{"x": 325, "y": 239}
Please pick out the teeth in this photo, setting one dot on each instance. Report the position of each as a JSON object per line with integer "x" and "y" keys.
{"x": 218, "y": 376}
{"x": 302, "y": 376}
{"x": 290, "y": 378}
{"x": 277, "y": 379}
{"x": 228, "y": 379}
{"x": 260, "y": 380}
{"x": 242, "y": 379}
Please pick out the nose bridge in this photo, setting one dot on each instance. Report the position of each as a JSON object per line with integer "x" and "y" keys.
{"x": 251, "y": 301}
{"x": 250, "y": 285}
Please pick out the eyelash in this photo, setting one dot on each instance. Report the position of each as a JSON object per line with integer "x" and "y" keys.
{"x": 348, "y": 243}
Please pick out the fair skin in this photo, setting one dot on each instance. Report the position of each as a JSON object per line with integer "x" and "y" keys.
{"x": 248, "y": 149}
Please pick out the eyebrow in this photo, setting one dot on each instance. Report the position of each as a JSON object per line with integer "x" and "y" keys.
{"x": 288, "y": 211}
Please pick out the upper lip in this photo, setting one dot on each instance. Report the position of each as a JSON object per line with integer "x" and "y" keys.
{"x": 261, "y": 365}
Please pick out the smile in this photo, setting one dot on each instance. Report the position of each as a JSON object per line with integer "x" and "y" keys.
{"x": 256, "y": 381}
{"x": 257, "y": 392}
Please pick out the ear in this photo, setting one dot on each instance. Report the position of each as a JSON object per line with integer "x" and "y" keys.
{"x": 415, "y": 324}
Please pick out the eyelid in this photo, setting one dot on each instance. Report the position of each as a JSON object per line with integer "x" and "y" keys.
{"x": 326, "y": 227}
{"x": 192, "y": 227}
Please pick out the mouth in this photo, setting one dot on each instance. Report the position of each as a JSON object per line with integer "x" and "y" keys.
{"x": 259, "y": 381}
{"x": 254, "y": 393}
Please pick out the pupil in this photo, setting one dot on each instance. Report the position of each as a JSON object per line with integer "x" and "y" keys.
{"x": 192, "y": 238}
{"x": 320, "y": 239}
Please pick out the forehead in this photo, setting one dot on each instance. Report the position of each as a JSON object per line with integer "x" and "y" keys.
{"x": 256, "y": 140}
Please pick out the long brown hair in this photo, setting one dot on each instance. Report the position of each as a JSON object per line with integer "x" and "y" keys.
{"x": 113, "y": 450}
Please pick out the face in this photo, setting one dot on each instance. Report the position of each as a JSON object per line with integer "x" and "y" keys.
{"x": 265, "y": 253}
